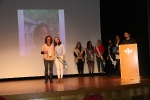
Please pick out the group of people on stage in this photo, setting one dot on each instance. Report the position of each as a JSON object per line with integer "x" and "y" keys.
{"x": 113, "y": 58}
{"x": 52, "y": 51}
{"x": 112, "y": 61}
{"x": 79, "y": 56}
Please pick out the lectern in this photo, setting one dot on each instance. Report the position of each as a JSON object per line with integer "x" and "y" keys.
{"x": 129, "y": 61}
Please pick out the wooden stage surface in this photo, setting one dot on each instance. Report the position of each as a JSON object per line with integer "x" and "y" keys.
{"x": 71, "y": 85}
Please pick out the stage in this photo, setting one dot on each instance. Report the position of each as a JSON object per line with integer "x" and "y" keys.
{"x": 74, "y": 88}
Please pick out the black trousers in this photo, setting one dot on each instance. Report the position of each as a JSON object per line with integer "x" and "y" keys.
{"x": 80, "y": 65}
{"x": 99, "y": 64}
{"x": 117, "y": 68}
{"x": 48, "y": 65}
{"x": 110, "y": 67}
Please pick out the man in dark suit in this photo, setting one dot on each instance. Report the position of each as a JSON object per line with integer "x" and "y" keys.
{"x": 128, "y": 40}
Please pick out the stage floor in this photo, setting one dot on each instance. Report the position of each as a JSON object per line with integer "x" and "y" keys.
{"x": 70, "y": 83}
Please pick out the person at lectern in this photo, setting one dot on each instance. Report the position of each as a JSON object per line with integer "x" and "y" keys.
{"x": 99, "y": 50}
{"x": 79, "y": 54}
{"x": 59, "y": 53}
{"x": 128, "y": 39}
{"x": 90, "y": 57}
{"x": 48, "y": 54}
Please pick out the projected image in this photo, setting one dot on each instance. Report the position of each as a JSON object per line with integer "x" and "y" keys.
{"x": 35, "y": 25}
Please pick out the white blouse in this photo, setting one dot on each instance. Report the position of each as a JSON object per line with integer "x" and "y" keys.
{"x": 117, "y": 55}
{"x": 60, "y": 50}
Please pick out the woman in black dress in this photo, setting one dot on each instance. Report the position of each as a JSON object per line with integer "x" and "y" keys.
{"x": 111, "y": 58}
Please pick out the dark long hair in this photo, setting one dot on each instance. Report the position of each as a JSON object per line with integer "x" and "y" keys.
{"x": 110, "y": 40}
{"x": 116, "y": 39}
{"x": 50, "y": 38}
{"x": 37, "y": 28}
{"x": 36, "y": 31}
{"x": 99, "y": 41}
{"x": 77, "y": 45}
{"x": 59, "y": 43}
{"x": 88, "y": 44}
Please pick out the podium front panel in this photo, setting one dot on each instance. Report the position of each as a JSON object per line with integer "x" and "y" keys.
{"x": 129, "y": 61}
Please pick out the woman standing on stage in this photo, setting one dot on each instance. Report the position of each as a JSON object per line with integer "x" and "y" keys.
{"x": 48, "y": 54}
{"x": 79, "y": 54}
{"x": 60, "y": 52}
{"x": 90, "y": 57}
{"x": 111, "y": 58}
{"x": 99, "y": 50}
{"x": 117, "y": 68}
